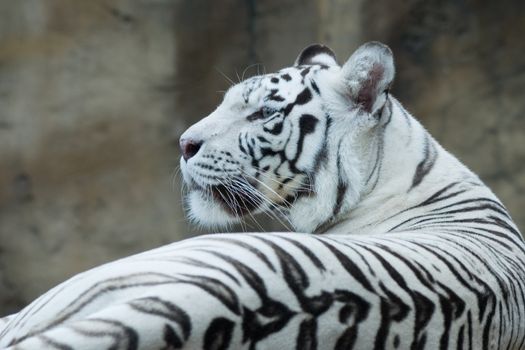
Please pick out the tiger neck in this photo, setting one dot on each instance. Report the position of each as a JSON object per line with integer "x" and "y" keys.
{"x": 408, "y": 166}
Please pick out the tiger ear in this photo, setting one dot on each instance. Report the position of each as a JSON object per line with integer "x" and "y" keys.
{"x": 316, "y": 54}
{"x": 368, "y": 74}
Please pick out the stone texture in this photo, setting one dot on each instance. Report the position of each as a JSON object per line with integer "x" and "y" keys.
{"x": 93, "y": 96}
{"x": 87, "y": 150}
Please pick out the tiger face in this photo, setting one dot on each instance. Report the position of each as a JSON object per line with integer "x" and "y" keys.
{"x": 271, "y": 146}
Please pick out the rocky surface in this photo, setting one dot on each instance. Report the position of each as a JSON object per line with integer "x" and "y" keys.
{"x": 93, "y": 96}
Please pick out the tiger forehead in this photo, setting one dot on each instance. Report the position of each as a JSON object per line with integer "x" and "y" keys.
{"x": 258, "y": 88}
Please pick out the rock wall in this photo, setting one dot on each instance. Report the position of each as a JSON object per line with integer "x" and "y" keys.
{"x": 87, "y": 148}
{"x": 93, "y": 96}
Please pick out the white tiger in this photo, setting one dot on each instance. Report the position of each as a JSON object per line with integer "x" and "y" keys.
{"x": 410, "y": 251}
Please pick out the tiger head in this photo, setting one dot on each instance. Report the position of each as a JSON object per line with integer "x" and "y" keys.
{"x": 289, "y": 143}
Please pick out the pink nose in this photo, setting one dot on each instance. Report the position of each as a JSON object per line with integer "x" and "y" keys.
{"x": 189, "y": 148}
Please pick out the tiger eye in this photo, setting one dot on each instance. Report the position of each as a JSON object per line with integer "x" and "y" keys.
{"x": 267, "y": 112}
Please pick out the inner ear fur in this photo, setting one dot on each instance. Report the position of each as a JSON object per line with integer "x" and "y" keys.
{"x": 368, "y": 73}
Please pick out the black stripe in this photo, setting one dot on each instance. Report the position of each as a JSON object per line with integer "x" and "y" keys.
{"x": 219, "y": 334}
{"x": 322, "y": 155}
{"x": 307, "y": 336}
{"x": 341, "y": 185}
{"x": 341, "y": 193}
{"x": 121, "y": 335}
{"x": 293, "y": 273}
{"x": 250, "y": 276}
{"x": 304, "y": 97}
{"x": 201, "y": 264}
{"x": 165, "y": 309}
{"x": 53, "y": 343}
{"x": 255, "y": 116}
{"x": 469, "y": 324}
{"x": 501, "y": 323}
{"x": 171, "y": 338}
{"x": 255, "y": 251}
{"x": 436, "y": 197}
{"x": 494, "y": 205}
{"x": 315, "y": 87}
{"x": 420, "y": 275}
{"x": 297, "y": 280}
{"x": 262, "y": 139}
{"x": 273, "y": 96}
{"x": 216, "y": 288}
{"x": 347, "y": 339}
{"x": 350, "y": 266}
{"x": 452, "y": 307}
{"x": 307, "y": 124}
{"x": 424, "y": 309}
{"x": 313, "y": 258}
{"x": 304, "y": 72}
{"x": 241, "y": 147}
{"x": 356, "y": 252}
{"x": 275, "y": 129}
{"x": 101, "y": 289}
{"x": 482, "y": 295}
{"x": 427, "y": 163}
{"x": 460, "y": 342}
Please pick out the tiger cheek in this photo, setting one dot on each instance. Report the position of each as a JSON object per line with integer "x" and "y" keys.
{"x": 310, "y": 142}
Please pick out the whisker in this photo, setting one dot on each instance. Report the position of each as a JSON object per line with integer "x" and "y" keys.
{"x": 303, "y": 187}
{"x": 237, "y": 74}
{"x": 250, "y": 66}
{"x": 229, "y": 203}
{"x": 269, "y": 188}
{"x": 233, "y": 204}
{"x": 271, "y": 206}
{"x": 225, "y": 76}
{"x": 246, "y": 191}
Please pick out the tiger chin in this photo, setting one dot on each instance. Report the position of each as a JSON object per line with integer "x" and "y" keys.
{"x": 291, "y": 144}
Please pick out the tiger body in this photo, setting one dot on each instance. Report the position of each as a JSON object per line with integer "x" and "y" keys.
{"x": 411, "y": 250}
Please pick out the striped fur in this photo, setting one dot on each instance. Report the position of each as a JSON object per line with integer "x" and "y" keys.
{"x": 411, "y": 251}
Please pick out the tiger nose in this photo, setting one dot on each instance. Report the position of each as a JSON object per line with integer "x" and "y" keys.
{"x": 189, "y": 147}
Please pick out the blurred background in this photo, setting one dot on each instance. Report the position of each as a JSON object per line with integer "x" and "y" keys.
{"x": 94, "y": 94}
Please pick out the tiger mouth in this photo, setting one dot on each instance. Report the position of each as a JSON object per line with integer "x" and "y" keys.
{"x": 236, "y": 201}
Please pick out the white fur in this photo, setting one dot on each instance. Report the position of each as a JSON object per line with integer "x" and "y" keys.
{"x": 376, "y": 252}
{"x": 352, "y": 130}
